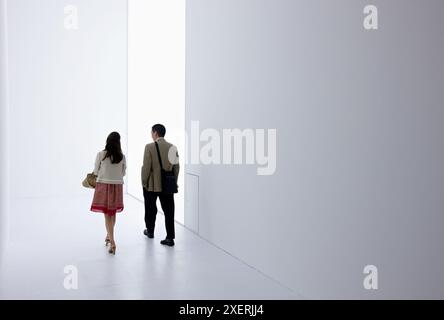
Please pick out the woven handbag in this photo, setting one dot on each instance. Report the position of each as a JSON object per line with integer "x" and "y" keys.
{"x": 90, "y": 181}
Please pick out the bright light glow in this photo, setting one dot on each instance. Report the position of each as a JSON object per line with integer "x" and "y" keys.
{"x": 156, "y": 83}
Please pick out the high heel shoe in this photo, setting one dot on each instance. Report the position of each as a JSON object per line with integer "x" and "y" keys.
{"x": 107, "y": 242}
{"x": 112, "y": 250}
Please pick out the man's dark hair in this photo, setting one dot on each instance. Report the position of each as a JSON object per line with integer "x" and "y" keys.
{"x": 160, "y": 129}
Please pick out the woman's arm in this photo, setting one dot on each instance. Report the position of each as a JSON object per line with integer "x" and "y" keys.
{"x": 97, "y": 164}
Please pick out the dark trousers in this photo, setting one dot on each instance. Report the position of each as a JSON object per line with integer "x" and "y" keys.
{"x": 167, "y": 204}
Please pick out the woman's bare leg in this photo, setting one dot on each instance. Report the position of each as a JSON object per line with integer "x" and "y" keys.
{"x": 111, "y": 220}
{"x": 109, "y": 227}
{"x": 107, "y": 239}
{"x": 113, "y": 224}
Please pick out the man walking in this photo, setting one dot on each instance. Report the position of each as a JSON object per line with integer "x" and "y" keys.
{"x": 152, "y": 182}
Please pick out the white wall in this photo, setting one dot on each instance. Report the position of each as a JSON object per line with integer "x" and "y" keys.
{"x": 4, "y": 169}
{"x": 360, "y": 147}
{"x": 68, "y": 91}
{"x": 156, "y": 83}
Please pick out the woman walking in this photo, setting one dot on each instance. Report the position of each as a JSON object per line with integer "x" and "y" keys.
{"x": 110, "y": 168}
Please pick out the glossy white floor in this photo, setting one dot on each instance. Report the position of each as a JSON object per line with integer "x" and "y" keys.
{"x": 48, "y": 234}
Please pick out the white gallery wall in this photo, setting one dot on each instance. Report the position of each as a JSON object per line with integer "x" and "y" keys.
{"x": 68, "y": 90}
{"x": 156, "y": 84}
{"x": 4, "y": 124}
{"x": 360, "y": 151}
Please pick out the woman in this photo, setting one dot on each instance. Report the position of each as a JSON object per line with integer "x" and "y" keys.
{"x": 110, "y": 168}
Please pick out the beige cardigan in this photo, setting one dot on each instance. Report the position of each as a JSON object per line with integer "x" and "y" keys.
{"x": 151, "y": 177}
{"x": 107, "y": 172}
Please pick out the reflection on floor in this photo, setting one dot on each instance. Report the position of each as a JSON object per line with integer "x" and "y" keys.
{"x": 49, "y": 234}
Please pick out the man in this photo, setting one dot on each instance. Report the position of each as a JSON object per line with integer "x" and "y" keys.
{"x": 152, "y": 183}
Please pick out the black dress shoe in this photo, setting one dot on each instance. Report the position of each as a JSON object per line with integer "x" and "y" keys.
{"x": 167, "y": 242}
{"x": 149, "y": 235}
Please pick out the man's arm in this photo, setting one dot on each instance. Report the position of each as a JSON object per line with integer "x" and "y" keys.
{"x": 146, "y": 167}
{"x": 176, "y": 166}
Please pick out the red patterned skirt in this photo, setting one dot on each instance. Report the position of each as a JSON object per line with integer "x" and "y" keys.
{"x": 108, "y": 198}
